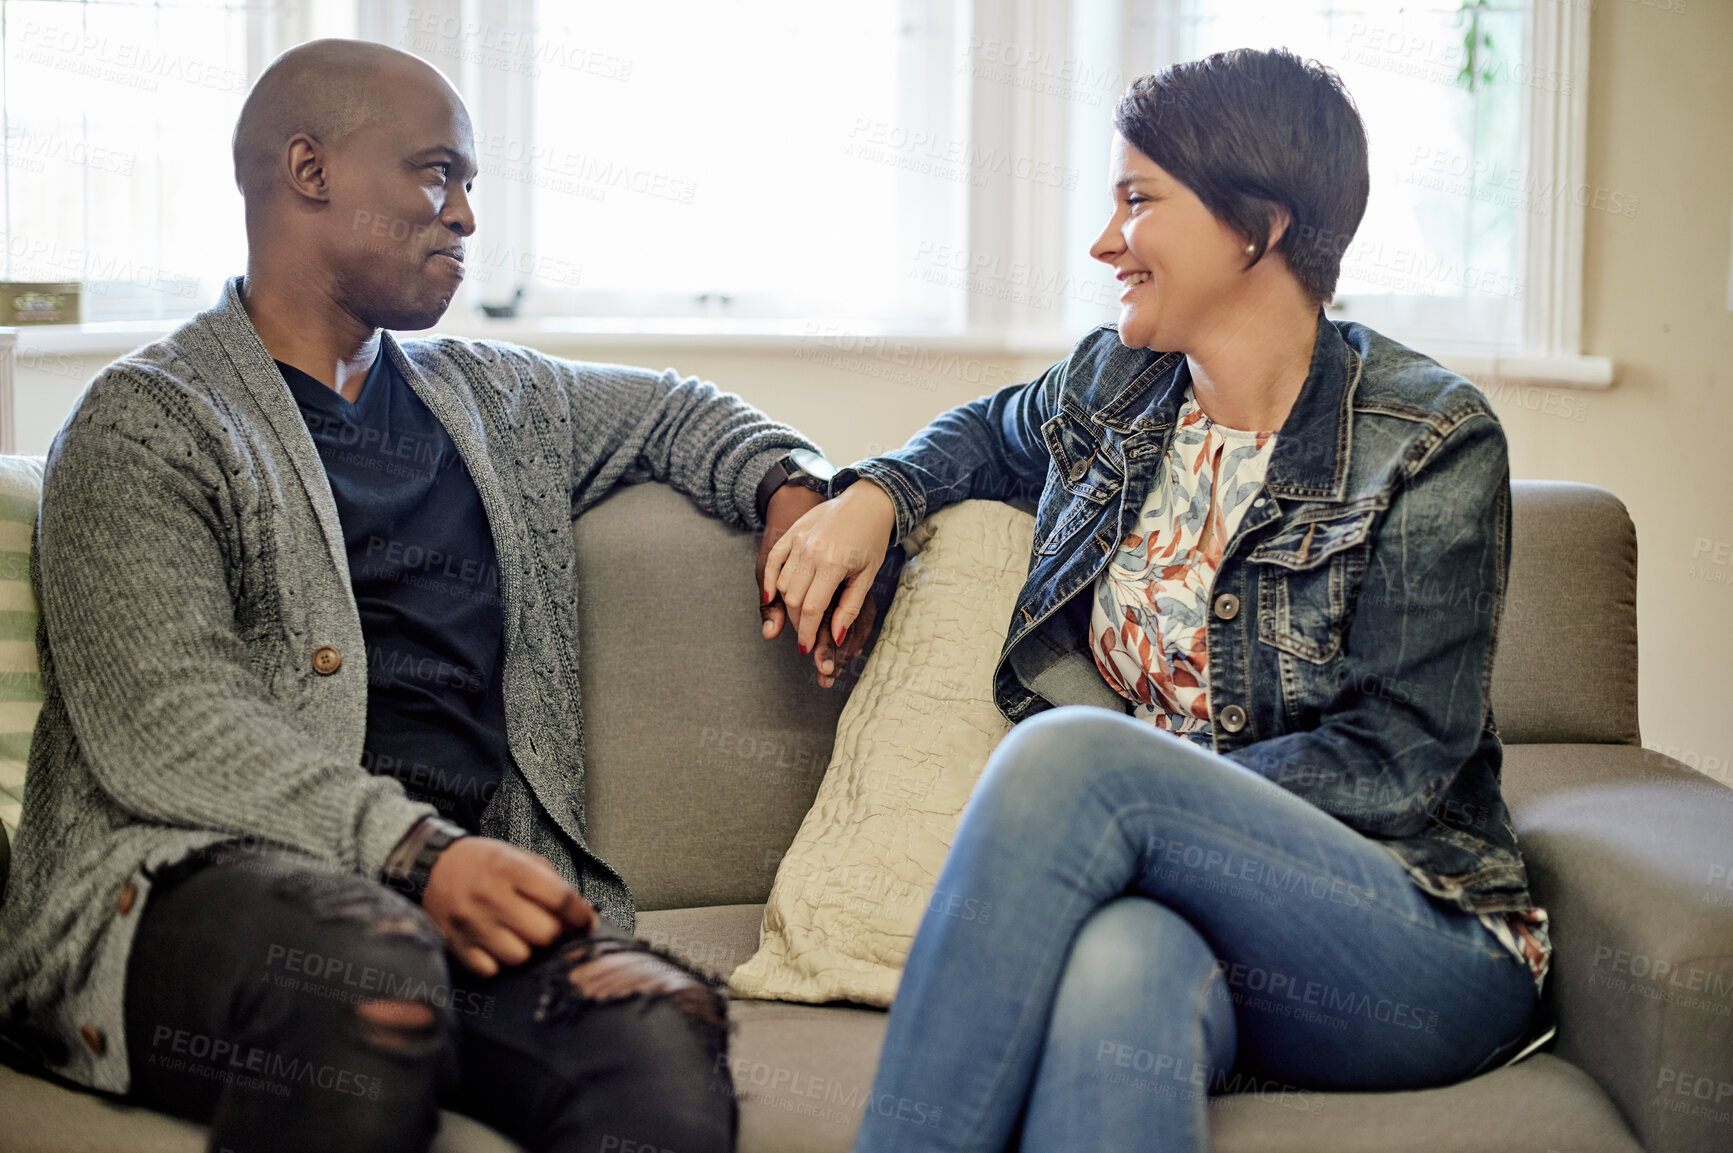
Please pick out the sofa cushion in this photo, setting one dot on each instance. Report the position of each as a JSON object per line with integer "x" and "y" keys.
{"x": 1543, "y": 1105}
{"x": 804, "y": 1077}
{"x": 714, "y": 939}
{"x": 686, "y": 764}
{"x": 20, "y": 678}
{"x": 704, "y": 743}
{"x": 1570, "y": 605}
{"x": 45, "y": 1117}
{"x": 42, "y": 1116}
{"x": 804, "y": 1074}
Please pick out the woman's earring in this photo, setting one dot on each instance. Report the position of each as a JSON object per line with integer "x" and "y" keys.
{"x": 1251, "y": 250}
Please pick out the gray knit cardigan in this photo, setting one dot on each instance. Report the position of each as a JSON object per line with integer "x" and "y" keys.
{"x": 189, "y": 561}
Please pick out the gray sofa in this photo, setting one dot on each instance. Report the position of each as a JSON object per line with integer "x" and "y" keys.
{"x": 706, "y": 746}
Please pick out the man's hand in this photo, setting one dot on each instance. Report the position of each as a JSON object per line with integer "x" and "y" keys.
{"x": 787, "y": 505}
{"x": 828, "y": 657}
{"x": 494, "y": 902}
{"x": 822, "y": 569}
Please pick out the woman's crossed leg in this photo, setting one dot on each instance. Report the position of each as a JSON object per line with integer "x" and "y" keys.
{"x": 1160, "y": 923}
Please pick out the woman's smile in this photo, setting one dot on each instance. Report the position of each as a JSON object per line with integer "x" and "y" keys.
{"x": 1132, "y": 280}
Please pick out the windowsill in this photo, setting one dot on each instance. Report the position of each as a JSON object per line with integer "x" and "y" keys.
{"x": 621, "y": 335}
{"x": 1594, "y": 372}
{"x": 606, "y": 334}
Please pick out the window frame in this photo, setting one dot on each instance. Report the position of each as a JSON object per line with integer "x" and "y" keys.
{"x": 1018, "y": 224}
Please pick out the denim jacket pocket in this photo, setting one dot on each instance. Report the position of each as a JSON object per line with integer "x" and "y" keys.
{"x": 1307, "y": 576}
{"x": 1080, "y": 481}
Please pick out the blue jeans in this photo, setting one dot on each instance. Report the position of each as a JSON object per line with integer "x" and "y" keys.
{"x": 1128, "y": 922}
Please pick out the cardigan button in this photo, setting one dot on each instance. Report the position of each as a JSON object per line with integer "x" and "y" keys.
{"x": 326, "y": 660}
{"x": 93, "y": 1039}
{"x": 1233, "y": 718}
{"x": 1227, "y": 606}
{"x": 128, "y": 896}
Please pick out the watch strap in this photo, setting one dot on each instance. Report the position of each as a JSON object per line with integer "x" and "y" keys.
{"x": 788, "y": 470}
{"x": 410, "y": 865}
{"x": 773, "y": 480}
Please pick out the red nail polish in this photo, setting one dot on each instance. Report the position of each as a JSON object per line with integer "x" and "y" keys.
{"x": 803, "y": 650}
{"x": 842, "y": 636}
{"x": 766, "y": 598}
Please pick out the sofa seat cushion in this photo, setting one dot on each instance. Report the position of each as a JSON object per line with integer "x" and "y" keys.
{"x": 1542, "y": 1105}
{"x": 804, "y": 1078}
{"x": 804, "y": 1075}
{"x": 38, "y": 1116}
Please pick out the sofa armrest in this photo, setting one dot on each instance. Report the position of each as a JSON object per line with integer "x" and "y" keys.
{"x": 1632, "y": 855}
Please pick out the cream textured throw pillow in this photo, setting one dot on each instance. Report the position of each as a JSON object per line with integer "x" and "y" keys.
{"x": 910, "y": 743}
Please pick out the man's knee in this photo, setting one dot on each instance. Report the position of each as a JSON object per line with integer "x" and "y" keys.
{"x": 665, "y": 1028}
{"x": 349, "y": 943}
{"x": 599, "y": 971}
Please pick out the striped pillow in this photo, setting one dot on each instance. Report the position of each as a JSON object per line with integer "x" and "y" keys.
{"x": 20, "y": 678}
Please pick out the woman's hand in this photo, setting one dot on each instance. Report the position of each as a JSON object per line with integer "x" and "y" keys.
{"x": 787, "y": 505}
{"x": 840, "y": 543}
{"x": 494, "y": 902}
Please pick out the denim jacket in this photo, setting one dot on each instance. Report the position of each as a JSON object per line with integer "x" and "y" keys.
{"x": 1355, "y": 613}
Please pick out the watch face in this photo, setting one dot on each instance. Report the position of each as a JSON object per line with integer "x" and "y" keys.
{"x": 813, "y": 464}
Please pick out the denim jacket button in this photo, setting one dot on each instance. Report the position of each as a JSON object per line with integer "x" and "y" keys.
{"x": 1232, "y": 718}
{"x": 1227, "y": 606}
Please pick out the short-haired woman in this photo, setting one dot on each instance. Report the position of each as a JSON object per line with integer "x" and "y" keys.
{"x": 1275, "y": 546}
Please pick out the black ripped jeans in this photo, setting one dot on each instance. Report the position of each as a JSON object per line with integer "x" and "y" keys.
{"x": 252, "y": 1001}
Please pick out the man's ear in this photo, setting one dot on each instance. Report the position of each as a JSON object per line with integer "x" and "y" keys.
{"x": 305, "y": 166}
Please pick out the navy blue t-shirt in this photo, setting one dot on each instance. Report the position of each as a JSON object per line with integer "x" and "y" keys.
{"x": 426, "y": 581}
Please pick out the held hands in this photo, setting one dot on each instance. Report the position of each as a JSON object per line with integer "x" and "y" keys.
{"x": 834, "y": 544}
{"x": 493, "y": 902}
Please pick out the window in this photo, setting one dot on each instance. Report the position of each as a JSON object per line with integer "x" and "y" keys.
{"x": 924, "y": 166}
{"x": 1439, "y": 254}
{"x": 772, "y": 160}
{"x": 706, "y": 163}
{"x": 776, "y": 163}
{"x": 113, "y": 175}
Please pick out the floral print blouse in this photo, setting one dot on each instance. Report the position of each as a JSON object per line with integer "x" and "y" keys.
{"x": 1148, "y": 626}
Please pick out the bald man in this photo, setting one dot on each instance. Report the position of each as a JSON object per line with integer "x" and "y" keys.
{"x": 303, "y": 853}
